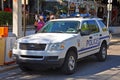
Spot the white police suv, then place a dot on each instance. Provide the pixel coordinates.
(61, 42)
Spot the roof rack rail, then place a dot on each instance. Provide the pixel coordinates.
(82, 16)
(85, 16)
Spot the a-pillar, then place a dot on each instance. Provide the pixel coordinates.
(17, 18)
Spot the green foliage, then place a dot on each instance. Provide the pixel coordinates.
(5, 18)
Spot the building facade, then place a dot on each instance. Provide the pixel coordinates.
(5, 4)
(68, 7)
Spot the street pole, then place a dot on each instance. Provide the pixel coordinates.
(2, 5)
(24, 18)
(17, 18)
(38, 6)
(68, 8)
(108, 17)
(109, 8)
(9, 3)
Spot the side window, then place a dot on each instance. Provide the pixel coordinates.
(93, 26)
(102, 25)
(84, 26)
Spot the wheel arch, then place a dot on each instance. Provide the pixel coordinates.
(73, 49)
(104, 42)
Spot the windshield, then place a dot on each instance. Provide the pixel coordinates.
(60, 27)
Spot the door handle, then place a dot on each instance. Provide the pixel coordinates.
(100, 34)
(90, 37)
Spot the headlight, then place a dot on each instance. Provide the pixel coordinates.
(15, 45)
(56, 46)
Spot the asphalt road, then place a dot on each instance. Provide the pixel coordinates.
(88, 69)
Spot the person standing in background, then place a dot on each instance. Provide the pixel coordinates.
(36, 22)
(40, 23)
(114, 15)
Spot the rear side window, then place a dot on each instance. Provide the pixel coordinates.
(93, 26)
(102, 25)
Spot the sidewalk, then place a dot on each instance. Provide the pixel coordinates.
(115, 39)
(8, 67)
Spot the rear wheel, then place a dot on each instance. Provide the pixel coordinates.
(69, 66)
(102, 54)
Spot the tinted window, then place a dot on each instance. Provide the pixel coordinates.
(102, 25)
(85, 28)
(93, 26)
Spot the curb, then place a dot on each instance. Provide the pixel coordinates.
(8, 68)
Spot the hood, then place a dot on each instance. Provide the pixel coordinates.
(46, 38)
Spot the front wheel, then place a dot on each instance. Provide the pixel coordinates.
(23, 68)
(69, 66)
(102, 54)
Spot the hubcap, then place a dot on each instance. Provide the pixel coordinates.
(104, 52)
(71, 63)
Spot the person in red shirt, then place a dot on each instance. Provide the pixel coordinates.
(114, 14)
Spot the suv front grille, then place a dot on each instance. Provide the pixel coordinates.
(32, 46)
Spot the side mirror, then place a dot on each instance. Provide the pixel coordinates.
(78, 30)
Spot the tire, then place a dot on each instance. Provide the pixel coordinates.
(69, 65)
(23, 68)
(102, 54)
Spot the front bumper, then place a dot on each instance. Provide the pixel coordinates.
(45, 62)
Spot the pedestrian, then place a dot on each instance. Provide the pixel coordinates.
(40, 23)
(47, 18)
(35, 25)
(52, 17)
(36, 22)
